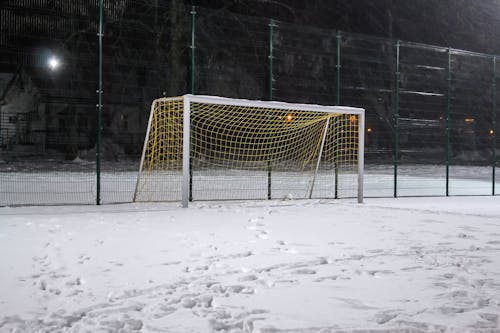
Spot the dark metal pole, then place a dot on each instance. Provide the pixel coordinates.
(494, 124)
(193, 47)
(448, 126)
(99, 110)
(397, 75)
(193, 77)
(272, 24)
(338, 66)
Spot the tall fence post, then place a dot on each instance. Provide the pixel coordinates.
(99, 108)
(338, 67)
(271, 26)
(397, 75)
(193, 47)
(193, 88)
(494, 124)
(448, 125)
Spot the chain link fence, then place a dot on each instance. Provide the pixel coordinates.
(431, 111)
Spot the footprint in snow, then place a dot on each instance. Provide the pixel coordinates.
(377, 273)
(411, 268)
(431, 221)
(246, 278)
(451, 310)
(75, 282)
(469, 228)
(356, 304)
(467, 236)
(239, 289)
(256, 220)
(39, 259)
(240, 255)
(384, 317)
(83, 258)
(376, 251)
(116, 263)
(325, 278)
(122, 325)
(305, 271)
(262, 235)
(492, 317)
(289, 251)
(169, 263)
(164, 310)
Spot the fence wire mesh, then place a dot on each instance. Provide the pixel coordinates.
(431, 112)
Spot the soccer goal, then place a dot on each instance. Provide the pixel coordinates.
(215, 148)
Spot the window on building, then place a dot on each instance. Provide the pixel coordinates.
(124, 121)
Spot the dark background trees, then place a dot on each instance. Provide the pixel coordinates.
(147, 55)
(463, 24)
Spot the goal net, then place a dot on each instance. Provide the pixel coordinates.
(214, 148)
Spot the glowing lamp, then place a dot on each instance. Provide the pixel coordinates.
(53, 63)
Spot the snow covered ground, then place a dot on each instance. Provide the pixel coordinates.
(389, 265)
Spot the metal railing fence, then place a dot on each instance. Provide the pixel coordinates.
(77, 79)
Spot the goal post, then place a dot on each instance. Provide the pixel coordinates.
(215, 148)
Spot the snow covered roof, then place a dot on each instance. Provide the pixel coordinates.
(5, 81)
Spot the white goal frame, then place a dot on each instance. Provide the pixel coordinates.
(188, 99)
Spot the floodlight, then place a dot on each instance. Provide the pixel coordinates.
(53, 63)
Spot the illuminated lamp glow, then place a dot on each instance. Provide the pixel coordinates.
(53, 63)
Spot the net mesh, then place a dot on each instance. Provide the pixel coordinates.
(249, 152)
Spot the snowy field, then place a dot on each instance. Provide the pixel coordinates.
(388, 265)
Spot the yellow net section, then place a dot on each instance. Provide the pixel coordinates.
(161, 166)
(164, 145)
(246, 152)
(251, 138)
